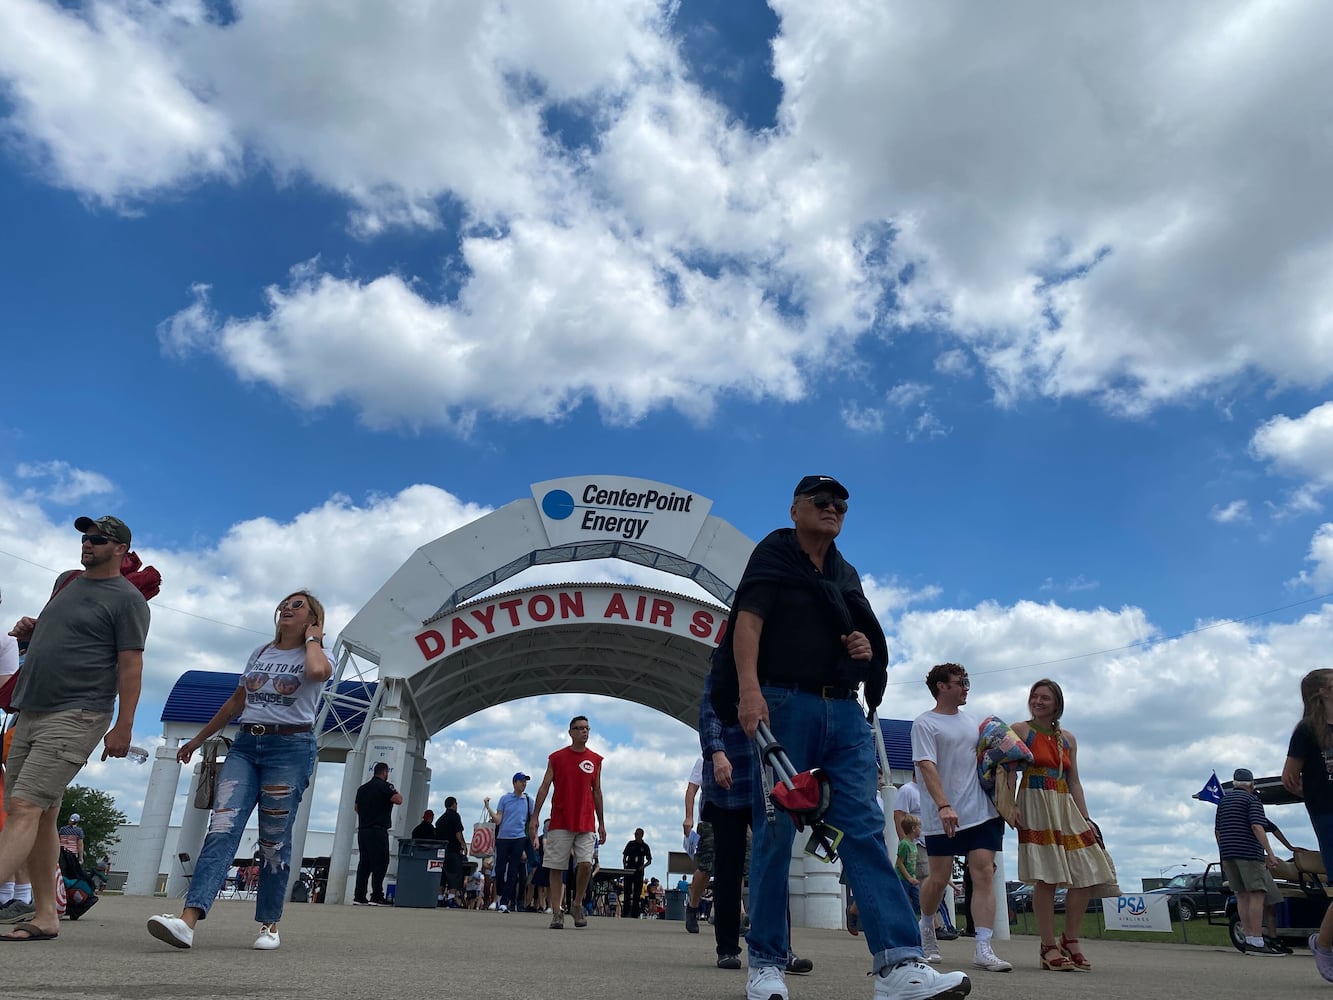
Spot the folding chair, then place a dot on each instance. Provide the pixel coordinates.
(187, 869)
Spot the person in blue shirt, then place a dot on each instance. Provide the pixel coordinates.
(512, 837)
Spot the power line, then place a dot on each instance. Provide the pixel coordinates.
(156, 604)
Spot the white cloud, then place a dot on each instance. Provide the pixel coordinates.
(953, 362)
(1320, 577)
(62, 482)
(1236, 510)
(1070, 586)
(1302, 446)
(104, 102)
(1082, 228)
(906, 394)
(864, 419)
(927, 425)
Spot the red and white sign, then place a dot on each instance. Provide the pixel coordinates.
(537, 607)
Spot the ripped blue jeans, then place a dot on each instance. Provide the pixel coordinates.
(270, 772)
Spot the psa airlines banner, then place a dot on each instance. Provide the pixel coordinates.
(1137, 913)
(537, 607)
(614, 508)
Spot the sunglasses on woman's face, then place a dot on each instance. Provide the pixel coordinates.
(294, 605)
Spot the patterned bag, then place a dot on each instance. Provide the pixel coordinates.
(206, 795)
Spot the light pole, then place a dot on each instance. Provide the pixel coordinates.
(1202, 862)
(1162, 871)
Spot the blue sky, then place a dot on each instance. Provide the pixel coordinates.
(295, 288)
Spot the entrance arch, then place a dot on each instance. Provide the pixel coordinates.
(436, 643)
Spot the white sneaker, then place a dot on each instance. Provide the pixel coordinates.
(503, 908)
(985, 958)
(766, 983)
(268, 939)
(172, 929)
(929, 945)
(913, 979)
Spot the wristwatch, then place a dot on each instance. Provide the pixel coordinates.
(314, 638)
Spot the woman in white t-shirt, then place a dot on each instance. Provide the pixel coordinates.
(268, 766)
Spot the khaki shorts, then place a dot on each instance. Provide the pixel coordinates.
(560, 844)
(49, 749)
(1246, 875)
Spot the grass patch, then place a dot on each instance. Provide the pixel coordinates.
(1197, 931)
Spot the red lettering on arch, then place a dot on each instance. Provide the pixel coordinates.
(431, 644)
(486, 616)
(662, 612)
(701, 625)
(512, 607)
(615, 608)
(547, 606)
(571, 605)
(462, 631)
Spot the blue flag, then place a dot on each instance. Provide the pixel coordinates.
(1211, 791)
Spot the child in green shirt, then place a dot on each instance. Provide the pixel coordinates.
(906, 863)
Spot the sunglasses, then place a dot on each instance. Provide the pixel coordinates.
(97, 539)
(823, 501)
(295, 605)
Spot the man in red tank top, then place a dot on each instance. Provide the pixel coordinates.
(576, 811)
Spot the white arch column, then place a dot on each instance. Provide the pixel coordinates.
(340, 858)
(145, 854)
(194, 824)
(299, 829)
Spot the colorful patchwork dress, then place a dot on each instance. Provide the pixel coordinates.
(1056, 845)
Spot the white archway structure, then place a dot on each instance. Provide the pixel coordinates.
(438, 651)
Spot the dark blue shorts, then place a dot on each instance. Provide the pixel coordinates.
(987, 836)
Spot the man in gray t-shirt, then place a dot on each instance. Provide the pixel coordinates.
(84, 653)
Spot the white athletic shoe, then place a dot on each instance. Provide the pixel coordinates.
(268, 939)
(913, 979)
(929, 945)
(985, 958)
(766, 983)
(172, 929)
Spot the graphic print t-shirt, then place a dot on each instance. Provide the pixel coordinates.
(276, 689)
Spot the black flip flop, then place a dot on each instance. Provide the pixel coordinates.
(34, 933)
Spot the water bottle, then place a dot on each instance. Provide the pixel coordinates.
(137, 754)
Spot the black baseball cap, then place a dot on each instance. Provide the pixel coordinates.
(820, 484)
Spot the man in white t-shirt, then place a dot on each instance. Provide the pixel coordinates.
(957, 817)
(701, 874)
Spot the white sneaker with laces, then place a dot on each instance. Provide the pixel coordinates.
(172, 929)
(913, 979)
(929, 945)
(766, 983)
(268, 938)
(985, 958)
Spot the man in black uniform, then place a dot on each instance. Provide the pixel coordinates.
(803, 639)
(374, 816)
(425, 830)
(637, 856)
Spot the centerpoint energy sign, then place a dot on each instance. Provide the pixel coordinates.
(600, 508)
(537, 607)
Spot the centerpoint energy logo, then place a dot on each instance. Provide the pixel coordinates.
(590, 508)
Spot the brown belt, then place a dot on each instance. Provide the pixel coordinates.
(270, 729)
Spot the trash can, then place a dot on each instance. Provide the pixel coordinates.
(420, 865)
(675, 904)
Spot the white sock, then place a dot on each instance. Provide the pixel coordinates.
(6, 892)
(23, 892)
(983, 936)
(1254, 942)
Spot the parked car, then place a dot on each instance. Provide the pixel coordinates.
(1020, 900)
(1190, 894)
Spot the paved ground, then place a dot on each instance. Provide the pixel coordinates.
(355, 952)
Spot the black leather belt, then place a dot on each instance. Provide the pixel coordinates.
(270, 729)
(829, 692)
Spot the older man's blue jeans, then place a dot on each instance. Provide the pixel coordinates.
(835, 736)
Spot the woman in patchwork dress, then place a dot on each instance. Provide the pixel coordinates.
(1057, 843)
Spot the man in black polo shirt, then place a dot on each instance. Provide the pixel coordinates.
(374, 816)
(637, 856)
(804, 639)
